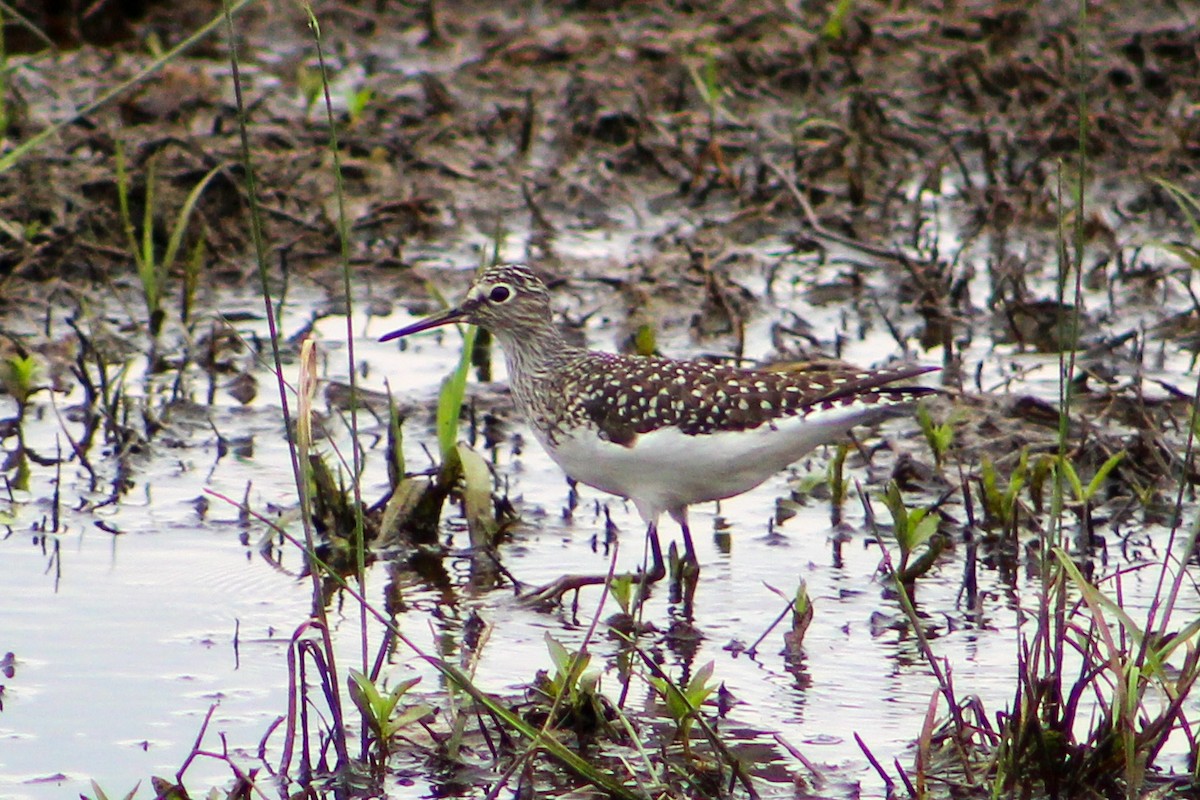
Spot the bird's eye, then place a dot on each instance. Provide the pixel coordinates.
(500, 294)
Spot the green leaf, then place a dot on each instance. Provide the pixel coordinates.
(1068, 470)
(1097, 599)
(801, 602)
(1184, 636)
(1188, 203)
(568, 667)
(706, 80)
(991, 494)
(18, 373)
(559, 655)
(1015, 482)
(698, 688)
(388, 707)
(364, 694)
(1102, 473)
(450, 399)
(147, 270)
(923, 530)
(123, 205)
(621, 589)
(644, 343)
(184, 217)
(477, 496)
(395, 449)
(938, 437)
(377, 708)
(682, 703)
(895, 504)
(677, 704)
(410, 715)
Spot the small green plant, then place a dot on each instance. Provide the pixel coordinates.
(18, 375)
(683, 702)
(572, 691)
(706, 79)
(1136, 697)
(378, 708)
(645, 340)
(837, 482)
(153, 270)
(312, 85)
(357, 101)
(939, 435)
(395, 445)
(569, 680)
(191, 279)
(1084, 495)
(912, 528)
(477, 497)
(835, 26)
(1000, 502)
(1189, 206)
(620, 589)
(802, 615)
(100, 794)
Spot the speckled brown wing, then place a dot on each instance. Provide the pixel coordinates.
(624, 396)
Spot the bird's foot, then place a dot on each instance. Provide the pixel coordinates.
(685, 577)
(643, 578)
(553, 592)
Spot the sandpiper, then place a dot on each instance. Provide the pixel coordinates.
(664, 433)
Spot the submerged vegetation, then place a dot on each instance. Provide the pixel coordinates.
(1056, 500)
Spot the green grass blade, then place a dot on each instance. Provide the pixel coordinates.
(1187, 203)
(450, 400)
(184, 216)
(1067, 469)
(1102, 474)
(1096, 598)
(123, 205)
(147, 269)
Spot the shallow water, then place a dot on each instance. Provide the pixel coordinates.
(133, 620)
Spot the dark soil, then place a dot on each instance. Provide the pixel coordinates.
(590, 115)
(930, 153)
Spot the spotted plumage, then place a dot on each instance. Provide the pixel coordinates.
(625, 396)
(664, 433)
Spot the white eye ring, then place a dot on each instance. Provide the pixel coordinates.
(501, 293)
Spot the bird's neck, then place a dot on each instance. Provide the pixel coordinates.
(534, 356)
